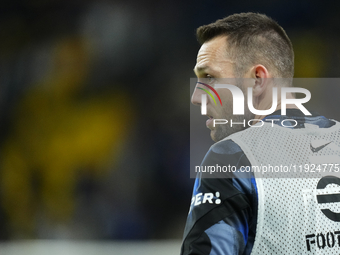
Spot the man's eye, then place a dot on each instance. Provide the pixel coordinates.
(210, 79)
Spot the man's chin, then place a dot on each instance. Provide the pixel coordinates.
(217, 135)
(220, 133)
(212, 136)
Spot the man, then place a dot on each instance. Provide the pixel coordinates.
(244, 212)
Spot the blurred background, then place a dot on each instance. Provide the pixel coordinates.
(94, 116)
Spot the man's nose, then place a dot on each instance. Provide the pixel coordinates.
(196, 97)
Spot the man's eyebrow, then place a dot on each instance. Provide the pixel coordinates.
(200, 69)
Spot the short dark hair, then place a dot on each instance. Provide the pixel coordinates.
(253, 38)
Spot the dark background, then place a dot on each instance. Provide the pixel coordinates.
(94, 116)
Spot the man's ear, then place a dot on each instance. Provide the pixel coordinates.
(261, 75)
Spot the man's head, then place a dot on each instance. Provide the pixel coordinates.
(253, 39)
(245, 45)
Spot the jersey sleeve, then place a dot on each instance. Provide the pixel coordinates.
(222, 216)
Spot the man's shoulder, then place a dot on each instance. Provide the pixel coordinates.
(273, 129)
(226, 146)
